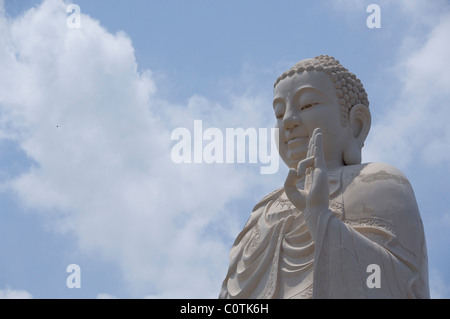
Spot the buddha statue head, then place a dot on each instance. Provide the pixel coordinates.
(320, 92)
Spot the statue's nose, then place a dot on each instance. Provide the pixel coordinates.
(291, 120)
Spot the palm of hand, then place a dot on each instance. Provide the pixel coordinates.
(315, 194)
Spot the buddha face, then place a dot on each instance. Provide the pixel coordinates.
(303, 102)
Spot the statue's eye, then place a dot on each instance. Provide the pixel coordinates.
(279, 107)
(307, 106)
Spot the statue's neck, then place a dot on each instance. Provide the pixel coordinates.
(335, 163)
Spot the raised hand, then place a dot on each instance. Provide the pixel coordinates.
(315, 195)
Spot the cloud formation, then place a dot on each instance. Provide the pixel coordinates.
(415, 125)
(9, 293)
(78, 105)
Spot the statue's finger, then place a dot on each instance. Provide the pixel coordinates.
(318, 150)
(303, 165)
(291, 179)
(310, 143)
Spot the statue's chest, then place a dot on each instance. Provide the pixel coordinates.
(281, 208)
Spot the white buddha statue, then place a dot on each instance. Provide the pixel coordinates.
(335, 220)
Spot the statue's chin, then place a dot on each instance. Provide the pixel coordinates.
(292, 163)
(293, 157)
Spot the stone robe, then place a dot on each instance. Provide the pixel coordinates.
(373, 219)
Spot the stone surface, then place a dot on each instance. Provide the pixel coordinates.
(338, 228)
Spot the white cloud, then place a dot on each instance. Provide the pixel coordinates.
(439, 288)
(418, 12)
(9, 293)
(105, 296)
(76, 103)
(416, 124)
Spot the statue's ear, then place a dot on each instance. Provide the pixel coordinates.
(360, 121)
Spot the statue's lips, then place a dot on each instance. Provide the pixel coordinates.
(297, 141)
(297, 147)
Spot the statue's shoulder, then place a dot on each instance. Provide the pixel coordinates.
(257, 211)
(273, 195)
(381, 168)
(371, 174)
(377, 188)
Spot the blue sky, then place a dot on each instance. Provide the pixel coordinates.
(86, 117)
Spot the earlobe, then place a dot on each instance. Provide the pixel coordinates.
(352, 153)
